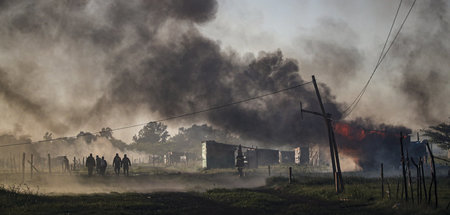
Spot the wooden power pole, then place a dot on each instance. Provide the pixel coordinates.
(337, 174)
(403, 167)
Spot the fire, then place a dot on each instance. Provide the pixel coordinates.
(353, 133)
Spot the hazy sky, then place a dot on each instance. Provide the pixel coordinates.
(255, 25)
(60, 62)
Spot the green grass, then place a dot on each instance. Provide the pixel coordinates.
(309, 194)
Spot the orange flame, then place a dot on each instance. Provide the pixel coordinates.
(353, 133)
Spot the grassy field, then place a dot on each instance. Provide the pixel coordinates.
(311, 193)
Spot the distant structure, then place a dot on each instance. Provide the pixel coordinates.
(251, 158)
(302, 155)
(220, 155)
(287, 157)
(267, 157)
(418, 149)
(314, 155)
(217, 155)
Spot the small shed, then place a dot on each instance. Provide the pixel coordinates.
(217, 155)
(302, 155)
(267, 157)
(286, 156)
(251, 158)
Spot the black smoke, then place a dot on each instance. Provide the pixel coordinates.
(424, 52)
(129, 54)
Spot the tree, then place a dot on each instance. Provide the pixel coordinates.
(87, 136)
(153, 132)
(106, 133)
(189, 139)
(47, 136)
(439, 134)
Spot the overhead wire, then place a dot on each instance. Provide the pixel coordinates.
(212, 108)
(381, 53)
(355, 102)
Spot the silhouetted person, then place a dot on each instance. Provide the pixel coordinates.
(117, 162)
(90, 164)
(240, 161)
(66, 167)
(103, 166)
(98, 164)
(126, 163)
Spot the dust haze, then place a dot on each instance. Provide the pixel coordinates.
(67, 66)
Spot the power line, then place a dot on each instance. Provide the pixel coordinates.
(381, 54)
(355, 102)
(213, 108)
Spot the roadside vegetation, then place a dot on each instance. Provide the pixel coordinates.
(309, 194)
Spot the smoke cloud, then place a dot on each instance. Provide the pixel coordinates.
(83, 64)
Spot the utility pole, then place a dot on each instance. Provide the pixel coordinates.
(338, 181)
(403, 167)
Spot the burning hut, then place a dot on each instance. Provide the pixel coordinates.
(217, 155)
(286, 156)
(267, 156)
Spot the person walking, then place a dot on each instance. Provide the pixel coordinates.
(66, 167)
(90, 164)
(98, 164)
(126, 163)
(117, 162)
(103, 166)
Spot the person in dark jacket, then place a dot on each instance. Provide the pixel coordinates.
(240, 162)
(117, 162)
(103, 166)
(98, 164)
(126, 163)
(66, 167)
(90, 164)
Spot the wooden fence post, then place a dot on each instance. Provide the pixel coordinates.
(74, 163)
(409, 177)
(405, 186)
(423, 180)
(290, 175)
(396, 194)
(433, 177)
(382, 182)
(31, 166)
(49, 164)
(23, 167)
(268, 167)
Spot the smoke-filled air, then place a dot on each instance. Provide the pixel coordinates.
(195, 95)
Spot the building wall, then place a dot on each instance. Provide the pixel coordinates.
(217, 155)
(286, 157)
(252, 158)
(267, 157)
(302, 155)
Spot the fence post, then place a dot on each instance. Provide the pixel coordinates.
(23, 167)
(290, 175)
(268, 167)
(49, 164)
(382, 182)
(31, 167)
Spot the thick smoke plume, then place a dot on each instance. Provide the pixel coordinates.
(74, 64)
(424, 63)
(151, 54)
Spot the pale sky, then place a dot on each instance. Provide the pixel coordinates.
(338, 41)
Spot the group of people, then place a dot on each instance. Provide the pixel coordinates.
(100, 164)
